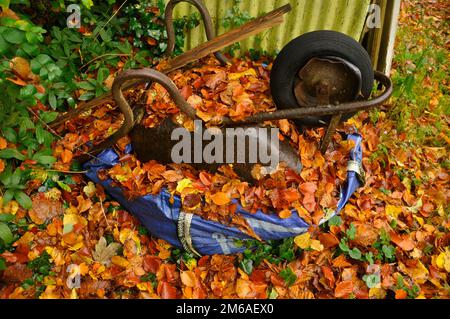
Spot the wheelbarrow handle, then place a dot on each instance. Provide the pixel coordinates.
(320, 110)
(207, 21)
(147, 75)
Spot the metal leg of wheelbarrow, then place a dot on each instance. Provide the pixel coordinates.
(335, 119)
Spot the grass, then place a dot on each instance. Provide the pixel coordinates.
(420, 75)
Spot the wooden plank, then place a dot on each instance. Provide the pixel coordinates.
(255, 26)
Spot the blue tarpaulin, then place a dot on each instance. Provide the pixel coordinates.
(167, 221)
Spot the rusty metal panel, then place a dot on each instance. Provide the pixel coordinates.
(347, 16)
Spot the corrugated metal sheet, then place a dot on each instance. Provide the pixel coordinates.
(347, 16)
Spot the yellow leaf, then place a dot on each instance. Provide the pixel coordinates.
(142, 286)
(443, 260)
(303, 241)
(419, 220)
(419, 274)
(393, 211)
(186, 182)
(50, 293)
(191, 263)
(441, 210)
(56, 255)
(237, 76)
(124, 235)
(49, 281)
(70, 220)
(89, 189)
(73, 294)
(316, 245)
(120, 261)
(377, 293)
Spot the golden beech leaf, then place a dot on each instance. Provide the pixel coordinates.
(303, 241)
(120, 261)
(393, 211)
(316, 245)
(220, 198)
(443, 260)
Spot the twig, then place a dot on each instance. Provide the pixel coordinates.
(114, 14)
(103, 211)
(66, 172)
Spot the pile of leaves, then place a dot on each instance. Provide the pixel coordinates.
(238, 90)
(68, 239)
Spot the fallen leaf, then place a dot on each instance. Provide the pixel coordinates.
(120, 261)
(44, 209)
(104, 252)
(343, 289)
(66, 156)
(220, 198)
(303, 241)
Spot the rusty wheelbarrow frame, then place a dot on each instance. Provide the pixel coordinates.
(131, 78)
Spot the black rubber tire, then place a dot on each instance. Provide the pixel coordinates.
(299, 51)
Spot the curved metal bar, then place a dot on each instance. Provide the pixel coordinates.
(207, 21)
(148, 75)
(298, 113)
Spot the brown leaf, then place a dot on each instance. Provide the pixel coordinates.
(21, 68)
(328, 240)
(404, 242)
(44, 209)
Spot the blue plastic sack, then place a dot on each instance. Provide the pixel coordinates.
(203, 237)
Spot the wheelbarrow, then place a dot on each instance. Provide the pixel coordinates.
(318, 79)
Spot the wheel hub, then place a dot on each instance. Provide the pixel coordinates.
(329, 80)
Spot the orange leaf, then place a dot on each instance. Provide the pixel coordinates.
(205, 178)
(17, 81)
(343, 289)
(3, 143)
(66, 156)
(188, 278)
(220, 198)
(166, 290)
(285, 213)
(341, 262)
(308, 188)
(328, 240)
(404, 242)
(291, 195)
(2, 165)
(401, 294)
(328, 273)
